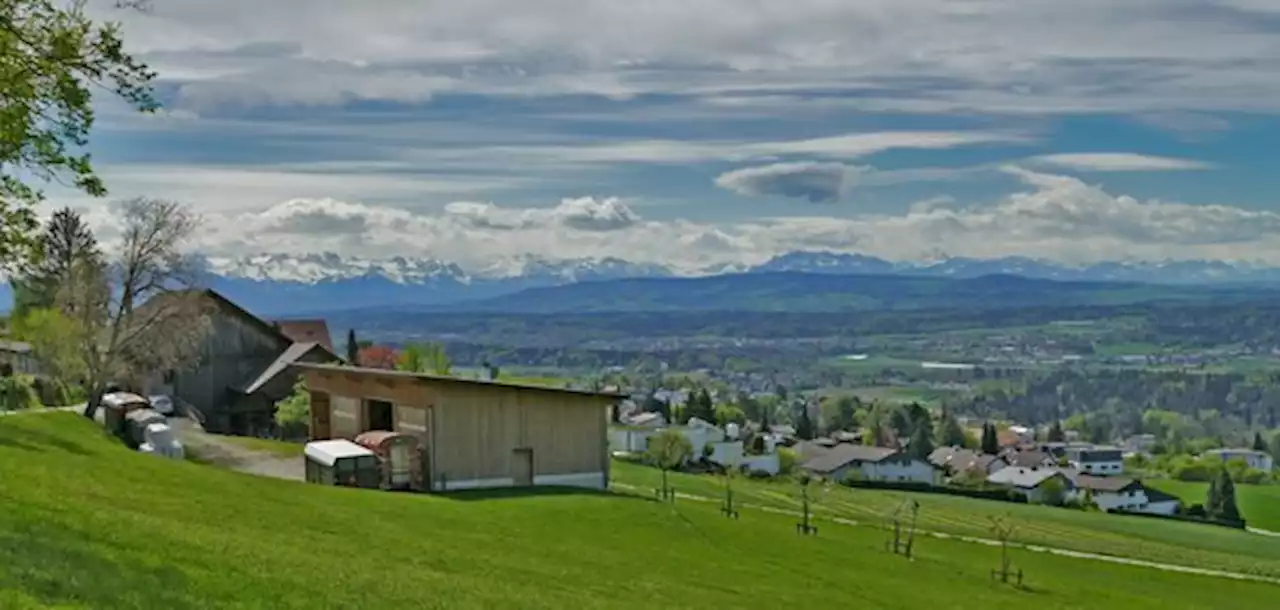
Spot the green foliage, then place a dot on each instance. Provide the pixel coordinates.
(669, 449)
(921, 444)
(1056, 433)
(353, 348)
(425, 358)
(1259, 443)
(17, 394)
(787, 459)
(950, 433)
(1221, 500)
(1053, 491)
(55, 341)
(729, 414)
(293, 414)
(65, 243)
(990, 443)
(805, 430)
(52, 55)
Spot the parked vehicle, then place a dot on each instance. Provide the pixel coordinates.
(162, 404)
(136, 423)
(116, 406)
(342, 462)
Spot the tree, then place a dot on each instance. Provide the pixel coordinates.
(1259, 443)
(424, 358)
(846, 413)
(990, 439)
(55, 340)
(949, 433)
(804, 424)
(353, 348)
(142, 312)
(293, 414)
(921, 444)
(1221, 502)
(65, 242)
(1056, 434)
(52, 55)
(668, 450)
(378, 357)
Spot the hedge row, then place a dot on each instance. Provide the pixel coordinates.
(1188, 518)
(1000, 495)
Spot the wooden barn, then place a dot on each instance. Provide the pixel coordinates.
(240, 372)
(475, 434)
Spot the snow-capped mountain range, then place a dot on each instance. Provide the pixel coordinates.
(278, 283)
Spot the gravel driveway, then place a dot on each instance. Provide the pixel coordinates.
(216, 450)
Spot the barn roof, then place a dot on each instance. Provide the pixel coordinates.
(334, 368)
(290, 356)
(307, 331)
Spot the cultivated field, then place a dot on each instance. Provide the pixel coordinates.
(88, 524)
(1260, 504)
(1188, 544)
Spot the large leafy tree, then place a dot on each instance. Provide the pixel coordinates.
(53, 56)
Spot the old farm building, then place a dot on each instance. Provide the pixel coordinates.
(240, 371)
(476, 434)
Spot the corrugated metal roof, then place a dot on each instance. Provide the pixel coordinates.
(307, 331)
(357, 370)
(843, 454)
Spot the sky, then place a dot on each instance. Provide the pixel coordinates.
(707, 132)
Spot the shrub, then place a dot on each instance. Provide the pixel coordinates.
(786, 460)
(293, 414)
(17, 394)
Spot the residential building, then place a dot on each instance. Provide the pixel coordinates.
(1116, 493)
(870, 463)
(957, 460)
(1255, 459)
(1140, 443)
(1028, 458)
(1096, 460)
(1033, 483)
(475, 433)
(238, 373)
(19, 357)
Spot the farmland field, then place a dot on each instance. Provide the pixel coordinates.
(89, 524)
(1260, 504)
(1188, 544)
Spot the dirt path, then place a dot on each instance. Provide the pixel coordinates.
(1166, 567)
(220, 452)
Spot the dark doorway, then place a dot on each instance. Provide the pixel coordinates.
(380, 415)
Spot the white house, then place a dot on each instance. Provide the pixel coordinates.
(1096, 460)
(1255, 459)
(632, 435)
(1033, 483)
(871, 464)
(1120, 493)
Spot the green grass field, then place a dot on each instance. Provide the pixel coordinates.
(1189, 544)
(1260, 504)
(89, 524)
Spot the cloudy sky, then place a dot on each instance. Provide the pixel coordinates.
(709, 131)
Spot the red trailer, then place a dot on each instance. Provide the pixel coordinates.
(401, 458)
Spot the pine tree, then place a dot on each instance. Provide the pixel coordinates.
(1056, 434)
(949, 433)
(804, 425)
(65, 242)
(921, 443)
(353, 348)
(1221, 503)
(1259, 443)
(990, 439)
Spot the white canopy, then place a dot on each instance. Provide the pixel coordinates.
(329, 452)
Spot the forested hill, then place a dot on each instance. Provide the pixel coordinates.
(807, 292)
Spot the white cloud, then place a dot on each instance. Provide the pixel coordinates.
(817, 182)
(1119, 162)
(1055, 217)
(926, 55)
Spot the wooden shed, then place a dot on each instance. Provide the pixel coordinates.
(474, 434)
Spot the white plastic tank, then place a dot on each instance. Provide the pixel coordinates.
(159, 440)
(731, 431)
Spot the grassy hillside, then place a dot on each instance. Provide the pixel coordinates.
(805, 292)
(1260, 504)
(1188, 544)
(87, 524)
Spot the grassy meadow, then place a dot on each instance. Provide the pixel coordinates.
(1260, 504)
(1174, 542)
(89, 524)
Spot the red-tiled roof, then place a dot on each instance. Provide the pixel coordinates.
(307, 331)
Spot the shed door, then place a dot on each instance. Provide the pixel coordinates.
(321, 411)
(522, 467)
(401, 465)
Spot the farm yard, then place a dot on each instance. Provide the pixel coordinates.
(1179, 543)
(90, 524)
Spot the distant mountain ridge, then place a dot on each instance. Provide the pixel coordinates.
(278, 284)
